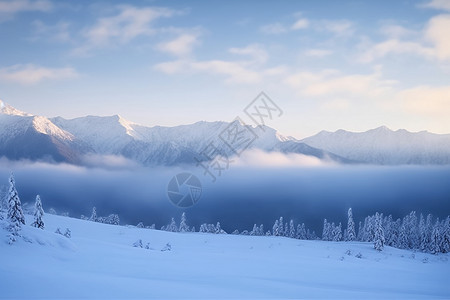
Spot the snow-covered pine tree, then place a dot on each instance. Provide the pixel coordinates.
(172, 226)
(140, 225)
(261, 229)
(93, 217)
(423, 234)
(254, 230)
(402, 241)
(379, 240)
(15, 213)
(337, 232)
(218, 229)
(275, 229)
(280, 227)
(351, 234)
(435, 245)
(446, 235)
(68, 233)
(326, 230)
(291, 229)
(360, 232)
(38, 213)
(183, 225)
(286, 230)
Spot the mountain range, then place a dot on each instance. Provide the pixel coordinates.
(27, 136)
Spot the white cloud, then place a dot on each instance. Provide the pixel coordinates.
(318, 52)
(339, 27)
(256, 52)
(235, 72)
(426, 100)
(259, 158)
(16, 6)
(394, 46)
(434, 42)
(438, 4)
(180, 46)
(129, 23)
(31, 74)
(58, 32)
(396, 31)
(300, 24)
(274, 28)
(438, 32)
(332, 83)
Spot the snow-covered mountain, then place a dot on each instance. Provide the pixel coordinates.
(384, 146)
(26, 136)
(23, 135)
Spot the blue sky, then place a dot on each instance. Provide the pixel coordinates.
(354, 65)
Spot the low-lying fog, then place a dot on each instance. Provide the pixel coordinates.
(303, 189)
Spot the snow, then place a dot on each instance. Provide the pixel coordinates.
(384, 146)
(99, 261)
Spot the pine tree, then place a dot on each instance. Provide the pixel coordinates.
(183, 225)
(38, 213)
(291, 229)
(435, 245)
(336, 232)
(326, 230)
(280, 227)
(379, 240)
(172, 226)
(351, 234)
(254, 230)
(15, 213)
(93, 217)
(275, 229)
(68, 233)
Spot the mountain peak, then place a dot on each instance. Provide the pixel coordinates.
(7, 109)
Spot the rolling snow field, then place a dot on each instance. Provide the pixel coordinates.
(99, 261)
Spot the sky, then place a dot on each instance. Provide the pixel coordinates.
(328, 65)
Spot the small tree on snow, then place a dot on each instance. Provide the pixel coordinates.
(38, 213)
(378, 242)
(351, 233)
(93, 217)
(275, 228)
(15, 213)
(68, 233)
(291, 229)
(183, 225)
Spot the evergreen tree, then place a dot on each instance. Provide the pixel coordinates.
(280, 227)
(15, 213)
(172, 226)
(379, 240)
(38, 213)
(93, 217)
(68, 233)
(351, 234)
(326, 230)
(254, 230)
(336, 232)
(435, 245)
(183, 225)
(291, 229)
(276, 228)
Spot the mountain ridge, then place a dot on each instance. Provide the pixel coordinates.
(26, 136)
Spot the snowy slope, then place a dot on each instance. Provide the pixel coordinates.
(384, 146)
(100, 262)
